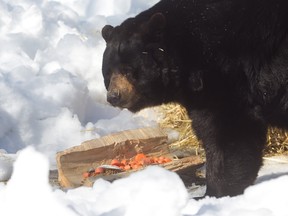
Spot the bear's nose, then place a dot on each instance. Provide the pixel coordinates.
(113, 97)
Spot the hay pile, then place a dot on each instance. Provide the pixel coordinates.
(175, 117)
(277, 142)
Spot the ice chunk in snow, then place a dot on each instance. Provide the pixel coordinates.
(6, 165)
(28, 191)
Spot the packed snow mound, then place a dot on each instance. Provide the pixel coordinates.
(52, 90)
(153, 191)
(28, 191)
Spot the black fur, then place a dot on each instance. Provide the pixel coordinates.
(225, 61)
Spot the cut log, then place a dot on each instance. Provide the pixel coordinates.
(73, 162)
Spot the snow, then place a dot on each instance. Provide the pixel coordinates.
(53, 97)
(52, 89)
(153, 191)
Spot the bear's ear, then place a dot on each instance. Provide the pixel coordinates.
(156, 22)
(106, 32)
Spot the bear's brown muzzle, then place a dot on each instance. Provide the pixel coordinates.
(114, 98)
(121, 92)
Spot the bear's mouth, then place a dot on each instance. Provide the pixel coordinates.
(122, 93)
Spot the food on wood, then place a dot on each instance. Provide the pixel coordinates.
(138, 162)
(75, 161)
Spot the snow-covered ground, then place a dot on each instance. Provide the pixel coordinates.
(52, 97)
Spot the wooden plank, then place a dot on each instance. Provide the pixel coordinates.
(73, 162)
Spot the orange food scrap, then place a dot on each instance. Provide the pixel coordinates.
(99, 170)
(86, 175)
(115, 162)
(139, 157)
(127, 167)
(124, 162)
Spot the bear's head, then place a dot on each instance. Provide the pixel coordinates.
(134, 62)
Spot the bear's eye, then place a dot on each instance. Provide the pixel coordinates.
(156, 52)
(129, 49)
(122, 48)
(130, 72)
(125, 49)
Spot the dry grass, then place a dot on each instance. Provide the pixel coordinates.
(176, 118)
(277, 142)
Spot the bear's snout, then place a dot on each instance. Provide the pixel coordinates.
(114, 97)
(121, 92)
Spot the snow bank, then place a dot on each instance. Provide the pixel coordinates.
(266, 199)
(52, 91)
(153, 191)
(28, 191)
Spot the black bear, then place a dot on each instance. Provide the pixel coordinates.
(225, 61)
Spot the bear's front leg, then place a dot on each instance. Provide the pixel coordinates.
(233, 145)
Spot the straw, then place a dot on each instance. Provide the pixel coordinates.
(175, 117)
